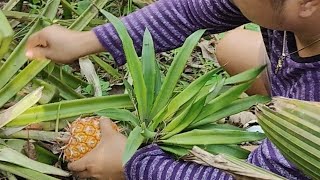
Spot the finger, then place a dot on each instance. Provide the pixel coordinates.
(79, 165)
(107, 126)
(38, 53)
(83, 174)
(36, 40)
(35, 46)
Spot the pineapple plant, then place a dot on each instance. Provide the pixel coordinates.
(177, 121)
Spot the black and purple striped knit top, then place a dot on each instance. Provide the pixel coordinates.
(170, 22)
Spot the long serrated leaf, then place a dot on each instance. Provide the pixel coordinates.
(16, 144)
(24, 172)
(295, 139)
(132, 95)
(134, 141)
(235, 107)
(290, 117)
(292, 154)
(188, 93)
(134, 64)
(24, 104)
(10, 5)
(213, 127)
(6, 35)
(178, 125)
(120, 115)
(299, 110)
(9, 175)
(158, 83)
(223, 100)
(45, 156)
(175, 71)
(300, 156)
(177, 150)
(65, 91)
(175, 122)
(68, 9)
(65, 109)
(232, 150)
(63, 22)
(20, 80)
(216, 89)
(206, 137)
(245, 76)
(84, 19)
(65, 77)
(149, 68)
(47, 136)
(294, 131)
(12, 156)
(49, 91)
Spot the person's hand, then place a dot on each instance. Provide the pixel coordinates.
(104, 162)
(62, 45)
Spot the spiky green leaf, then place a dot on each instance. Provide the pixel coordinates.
(134, 141)
(134, 63)
(120, 115)
(206, 137)
(175, 71)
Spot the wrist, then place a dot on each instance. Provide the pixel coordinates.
(89, 43)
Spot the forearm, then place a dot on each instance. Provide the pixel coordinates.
(89, 43)
(170, 22)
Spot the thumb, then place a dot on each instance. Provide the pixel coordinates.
(38, 53)
(79, 165)
(36, 46)
(107, 127)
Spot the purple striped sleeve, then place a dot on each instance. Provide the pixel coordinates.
(153, 164)
(269, 157)
(170, 22)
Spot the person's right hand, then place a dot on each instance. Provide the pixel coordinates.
(62, 45)
(104, 162)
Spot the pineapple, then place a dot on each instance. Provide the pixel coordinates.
(84, 136)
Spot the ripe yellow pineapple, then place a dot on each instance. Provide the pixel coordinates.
(84, 136)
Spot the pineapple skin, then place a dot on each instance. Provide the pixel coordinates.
(85, 134)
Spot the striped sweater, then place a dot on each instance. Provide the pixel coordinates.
(170, 22)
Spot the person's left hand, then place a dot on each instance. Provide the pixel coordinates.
(105, 160)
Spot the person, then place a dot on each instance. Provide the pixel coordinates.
(289, 42)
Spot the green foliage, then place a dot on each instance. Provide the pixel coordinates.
(294, 127)
(252, 27)
(89, 91)
(166, 117)
(82, 6)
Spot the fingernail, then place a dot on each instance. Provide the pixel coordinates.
(29, 54)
